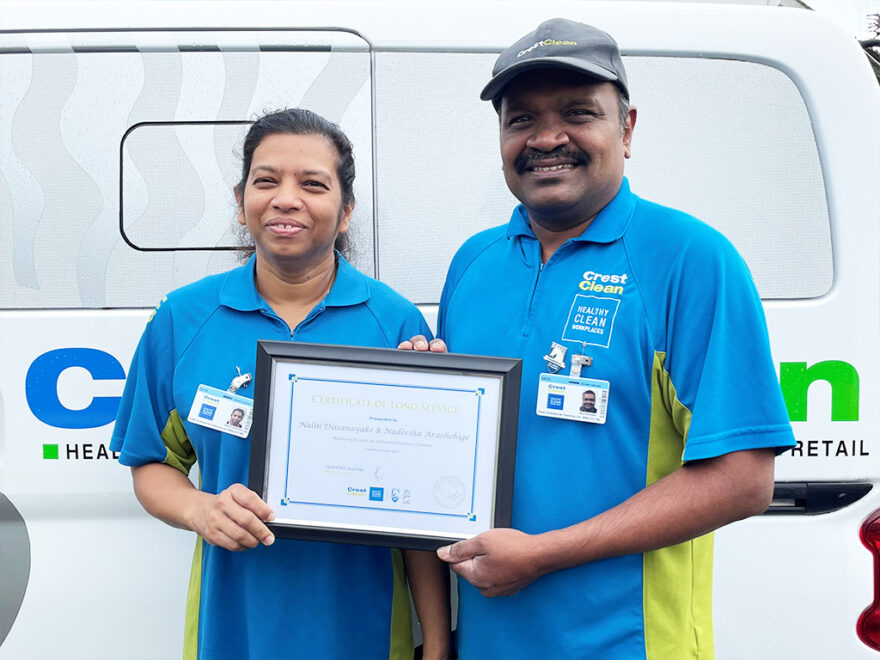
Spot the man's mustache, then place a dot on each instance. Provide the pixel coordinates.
(529, 157)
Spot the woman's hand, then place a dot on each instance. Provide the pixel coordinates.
(233, 519)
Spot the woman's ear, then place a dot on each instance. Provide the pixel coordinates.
(345, 218)
(239, 201)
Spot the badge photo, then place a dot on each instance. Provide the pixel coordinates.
(222, 411)
(577, 399)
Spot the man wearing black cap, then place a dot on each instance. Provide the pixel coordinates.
(653, 311)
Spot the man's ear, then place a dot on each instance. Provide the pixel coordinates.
(628, 132)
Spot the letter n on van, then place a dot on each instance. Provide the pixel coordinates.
(795, 379)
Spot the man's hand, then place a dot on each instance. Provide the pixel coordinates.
(499, 562)
(421, 343)
(233, 519)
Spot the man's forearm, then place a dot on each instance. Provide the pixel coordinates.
(690, 502)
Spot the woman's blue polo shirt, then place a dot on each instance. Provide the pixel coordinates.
(294, 599)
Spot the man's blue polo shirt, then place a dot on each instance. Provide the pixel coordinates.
(667, 310)
(294, 599)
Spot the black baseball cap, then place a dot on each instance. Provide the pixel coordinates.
(559, 43)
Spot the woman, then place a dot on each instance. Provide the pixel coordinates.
(284, 599)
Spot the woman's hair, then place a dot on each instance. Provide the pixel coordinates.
(299, 121)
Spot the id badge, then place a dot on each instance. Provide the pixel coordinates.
(222, 411)
(578, 399)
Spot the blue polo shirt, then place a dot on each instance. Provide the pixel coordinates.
(667, 310)
(294, 599)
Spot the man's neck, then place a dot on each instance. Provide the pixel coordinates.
(551, 240)
(554, 229)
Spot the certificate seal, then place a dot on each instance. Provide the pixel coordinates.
(449, 492)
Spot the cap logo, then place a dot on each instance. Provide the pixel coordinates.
(546, 42)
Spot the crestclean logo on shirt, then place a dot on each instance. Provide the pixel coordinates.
(602, 283)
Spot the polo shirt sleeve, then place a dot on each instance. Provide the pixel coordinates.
(725, 395)
(414, 324)
(148, 427)
(397, 318)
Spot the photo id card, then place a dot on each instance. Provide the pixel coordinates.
(222, 411)
(578, 399)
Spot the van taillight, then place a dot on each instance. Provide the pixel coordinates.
(868, 627)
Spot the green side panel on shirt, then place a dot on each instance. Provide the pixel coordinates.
(181, 455)
(179, 450)
(193, 599)
(401, 647)
(678, 579)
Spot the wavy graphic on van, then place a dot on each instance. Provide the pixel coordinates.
(66, 175)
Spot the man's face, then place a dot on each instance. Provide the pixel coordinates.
(589, 400)
(562, 145)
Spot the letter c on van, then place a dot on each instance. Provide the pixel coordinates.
(41, 387)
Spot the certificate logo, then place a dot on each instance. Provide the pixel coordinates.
(377, 494)
(207, 412)
(555, 401)
(449, 492)
(395, 494)
(406, 496)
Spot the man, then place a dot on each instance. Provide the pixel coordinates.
(588, 402)
(236, 417)
(609, 555)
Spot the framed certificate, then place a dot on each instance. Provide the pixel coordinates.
(383, 447)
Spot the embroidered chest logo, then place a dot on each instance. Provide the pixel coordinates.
(601, 283)
(591, 318)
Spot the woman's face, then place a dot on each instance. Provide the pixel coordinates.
(292, 200)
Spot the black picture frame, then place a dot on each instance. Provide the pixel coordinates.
(274, 357)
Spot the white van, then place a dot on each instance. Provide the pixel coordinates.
(119, 124)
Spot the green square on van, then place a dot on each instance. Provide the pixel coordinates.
(50, 451)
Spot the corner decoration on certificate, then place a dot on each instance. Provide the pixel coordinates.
(380, 446)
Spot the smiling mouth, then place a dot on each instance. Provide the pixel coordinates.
(548, 162)
(551, 168)
(284, 227)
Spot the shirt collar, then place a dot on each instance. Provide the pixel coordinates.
(350, 286)
(608, 226)
(240, 291)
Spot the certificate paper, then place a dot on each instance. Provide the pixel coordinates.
(386, 450)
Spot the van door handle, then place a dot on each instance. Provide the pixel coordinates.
(813, 497)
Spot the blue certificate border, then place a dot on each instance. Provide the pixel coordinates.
(286, 500)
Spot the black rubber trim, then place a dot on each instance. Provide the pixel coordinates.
(15, 564)
(814, 497)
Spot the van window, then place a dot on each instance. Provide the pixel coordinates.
(728, 141)
(119, 152)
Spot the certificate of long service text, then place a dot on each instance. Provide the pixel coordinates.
(383, 449)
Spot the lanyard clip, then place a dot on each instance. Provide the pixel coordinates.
(579, 361)
(241, 380)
